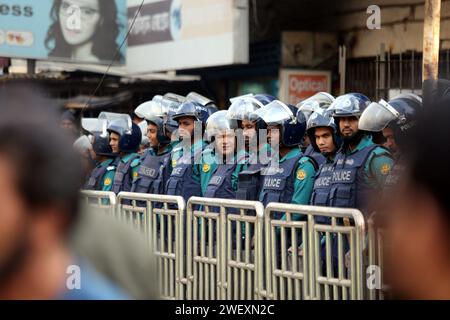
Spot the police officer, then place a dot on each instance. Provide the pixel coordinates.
(154, 169)
(395, 119)
(102, 175)
(323, 134)
(250, 180)
(321, 100)
(361, 166)
(290, 180)
(184, 179)
(124, 139)
(228, 160)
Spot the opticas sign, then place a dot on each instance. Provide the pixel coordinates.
(298, 85)
(184, 34)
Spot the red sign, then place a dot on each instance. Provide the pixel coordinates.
(297, 85)
(303, 86)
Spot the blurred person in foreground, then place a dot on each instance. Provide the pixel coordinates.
(39, 206)
(417, 215)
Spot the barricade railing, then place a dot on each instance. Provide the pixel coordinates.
(314, 252)
(223, 248)
(233, 249)
(100, 200)
(158, 218)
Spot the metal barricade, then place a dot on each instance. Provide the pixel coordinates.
(100, 201)
(307, 260)
(160, 219)
(224, 247)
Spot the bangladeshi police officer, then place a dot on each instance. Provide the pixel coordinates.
(154, 169)
(321, 100)
(124, 139)
(102, 176)
(186, 157)
(395, 119)
(229, 161)
(250, 180)
(291, 178)
(323, 134)
(361, 166)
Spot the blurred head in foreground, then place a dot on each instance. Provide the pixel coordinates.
(40, 181)
(418, 214)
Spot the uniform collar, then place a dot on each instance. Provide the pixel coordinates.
(106, 162)
(291, 154)
(366, 140)
(127, 157)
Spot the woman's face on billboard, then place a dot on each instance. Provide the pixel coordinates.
(79, 20)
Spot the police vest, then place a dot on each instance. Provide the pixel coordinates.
(250, 183)
(394, 175)
(123, 179)
(320, 159)
(181, 181)
(96, 177)
(322, 185)
(348, 186)
(278, 183)
(149, 178)
(220, 185)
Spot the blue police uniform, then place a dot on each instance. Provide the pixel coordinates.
(95, 181)
(185, 177)
(359, 175)
(126, 172)
(152, 174)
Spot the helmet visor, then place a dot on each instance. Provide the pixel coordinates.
(116, 122)
(274, 113)
(241, 109)
(91, 125)
(377, 116)
(149, 109)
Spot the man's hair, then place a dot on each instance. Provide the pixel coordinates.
(46, 169)
(427, 153)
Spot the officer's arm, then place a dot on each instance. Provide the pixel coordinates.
(107, 182)
(303, 185)
(380, 167)
(135, 165)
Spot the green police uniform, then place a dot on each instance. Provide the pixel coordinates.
(304, 179)
(378, 164)
(108, 177)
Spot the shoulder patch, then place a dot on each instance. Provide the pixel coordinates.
(301, 174)
(135, 162)
(107, 182)
(135, 174)
(206, 168)
(385, 169)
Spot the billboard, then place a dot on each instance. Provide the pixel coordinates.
(183, 34)
(298, 85)
(81, 31)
